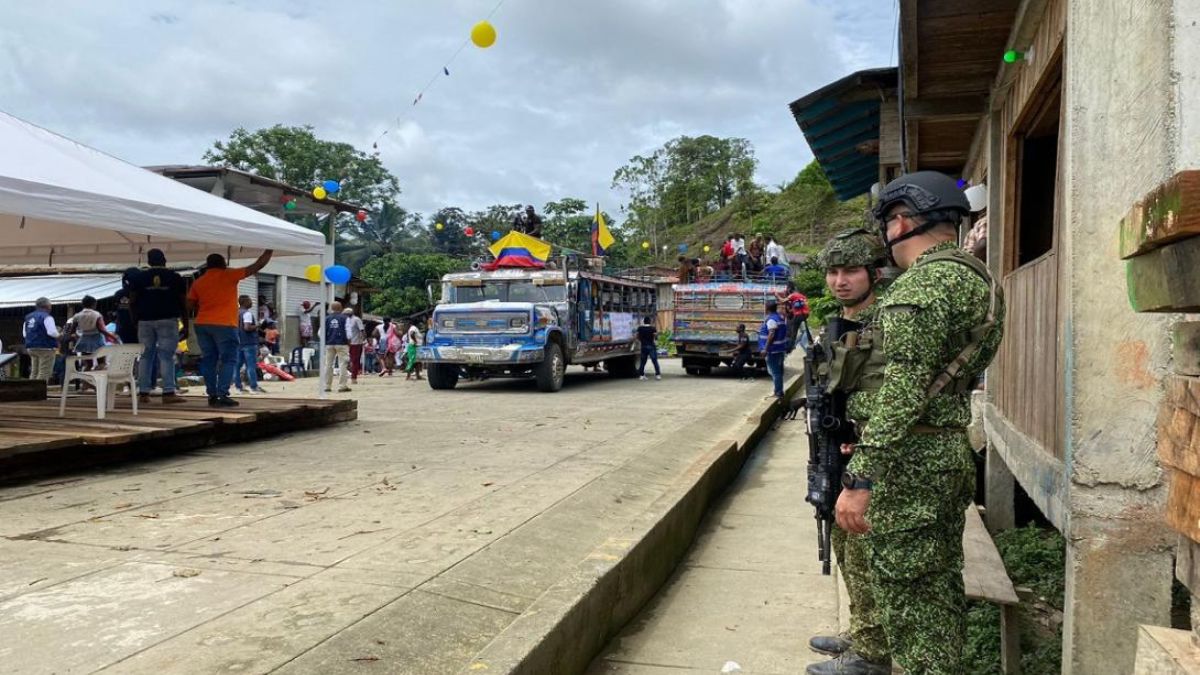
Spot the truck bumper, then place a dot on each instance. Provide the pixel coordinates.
(499, 356)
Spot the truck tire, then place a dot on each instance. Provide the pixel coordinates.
(442, 376)
(622, 367)
(699, 371)
(549, 373)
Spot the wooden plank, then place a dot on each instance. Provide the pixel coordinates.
(1178, 438)
(101, 434)
(1165, 279)
(1167, 213)
(22, 390)
(1185, 349)
(1183, 505)
(983, 568)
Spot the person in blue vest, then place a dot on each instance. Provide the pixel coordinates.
(337, 346)
(41, 340)
(773, 344)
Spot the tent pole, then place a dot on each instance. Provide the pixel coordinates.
(321, 333)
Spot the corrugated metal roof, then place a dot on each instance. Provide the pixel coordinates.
(839, 120)
(59, 288)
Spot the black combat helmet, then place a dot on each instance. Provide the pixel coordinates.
(931, 194)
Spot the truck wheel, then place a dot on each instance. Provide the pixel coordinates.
(550, 371)
(625, 366)
(442, 376)
(700, 371)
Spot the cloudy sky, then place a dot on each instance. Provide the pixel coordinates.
(570, 91)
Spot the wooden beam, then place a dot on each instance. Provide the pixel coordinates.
(911, 145)
(1167, 213)
(953, 107)
(1185, 341)
(908, 49)
(1183, 505)
(1165, 279)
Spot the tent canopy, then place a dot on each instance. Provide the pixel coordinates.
(59, 288)
(63, 202)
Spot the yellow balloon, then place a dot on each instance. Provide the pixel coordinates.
(645, 244)
(707, 248)
(439, 226)
(483, 34)
(319, 192)
(313, 273)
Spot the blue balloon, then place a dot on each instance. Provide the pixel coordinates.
(331, 186)
(495, 235)
(683, 248)
(337, 274)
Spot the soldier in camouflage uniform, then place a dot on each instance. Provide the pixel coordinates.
(911, 477)
(853, 262)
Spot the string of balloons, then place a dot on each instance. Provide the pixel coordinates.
(482, 35)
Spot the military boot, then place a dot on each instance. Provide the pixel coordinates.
(849, 663)
(832, 645)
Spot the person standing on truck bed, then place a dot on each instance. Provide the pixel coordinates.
(647, 336)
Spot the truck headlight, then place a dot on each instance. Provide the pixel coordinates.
(517, 322)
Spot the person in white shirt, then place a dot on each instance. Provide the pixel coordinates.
(740, 258)
(775, 250)
(357, 334)
(41, 340)
(412, 339)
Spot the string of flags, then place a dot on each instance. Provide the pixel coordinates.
(482, 35)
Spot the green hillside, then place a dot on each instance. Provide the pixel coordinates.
(801, 215)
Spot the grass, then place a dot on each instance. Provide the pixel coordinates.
(1035, 558)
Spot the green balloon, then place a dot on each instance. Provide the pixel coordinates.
(290, 205)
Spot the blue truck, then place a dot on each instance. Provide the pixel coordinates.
(533, 323)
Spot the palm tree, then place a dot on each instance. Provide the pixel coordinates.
(387, 230)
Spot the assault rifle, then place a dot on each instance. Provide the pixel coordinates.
(828, 429)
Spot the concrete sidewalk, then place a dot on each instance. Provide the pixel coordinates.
(750, 591)
(441, 531)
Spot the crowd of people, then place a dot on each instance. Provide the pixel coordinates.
(381, 351)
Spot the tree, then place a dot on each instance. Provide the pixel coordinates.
(568, 225)
(451, 239)
(403, 278)
(685, 180)
(390, 229)
(297, 157)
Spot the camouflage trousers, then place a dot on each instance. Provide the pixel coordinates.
(866, 631)
(917, 516)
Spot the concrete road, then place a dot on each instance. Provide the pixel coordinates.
(750, 593)
(404, 541)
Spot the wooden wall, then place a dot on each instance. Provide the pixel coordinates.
(1026, 377)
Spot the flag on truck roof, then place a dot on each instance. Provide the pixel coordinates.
(517, 249)
(602, 239)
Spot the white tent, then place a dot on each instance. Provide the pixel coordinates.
(63, 202)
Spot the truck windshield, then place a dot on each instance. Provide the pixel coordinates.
(510, 291)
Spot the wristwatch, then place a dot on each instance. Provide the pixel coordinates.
(852, 482)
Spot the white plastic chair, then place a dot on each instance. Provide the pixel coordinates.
(119, 368)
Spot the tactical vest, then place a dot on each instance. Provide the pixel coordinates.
(859, 357)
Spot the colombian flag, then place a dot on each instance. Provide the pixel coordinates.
(516, 249)
(602, 239)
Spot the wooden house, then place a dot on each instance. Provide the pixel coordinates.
(1082, 119)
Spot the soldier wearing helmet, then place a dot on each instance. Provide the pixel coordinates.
(853, 262)
(912, 476)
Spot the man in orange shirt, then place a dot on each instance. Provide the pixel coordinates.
(214, 298)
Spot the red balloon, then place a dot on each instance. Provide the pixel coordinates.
(470, 232)
(360, 216)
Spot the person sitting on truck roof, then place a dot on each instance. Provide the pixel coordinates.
(686, 270)
(529, 223)
(776, 271)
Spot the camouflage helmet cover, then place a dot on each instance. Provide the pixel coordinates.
(858, 247)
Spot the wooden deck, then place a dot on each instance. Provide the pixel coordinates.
(34, 440)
